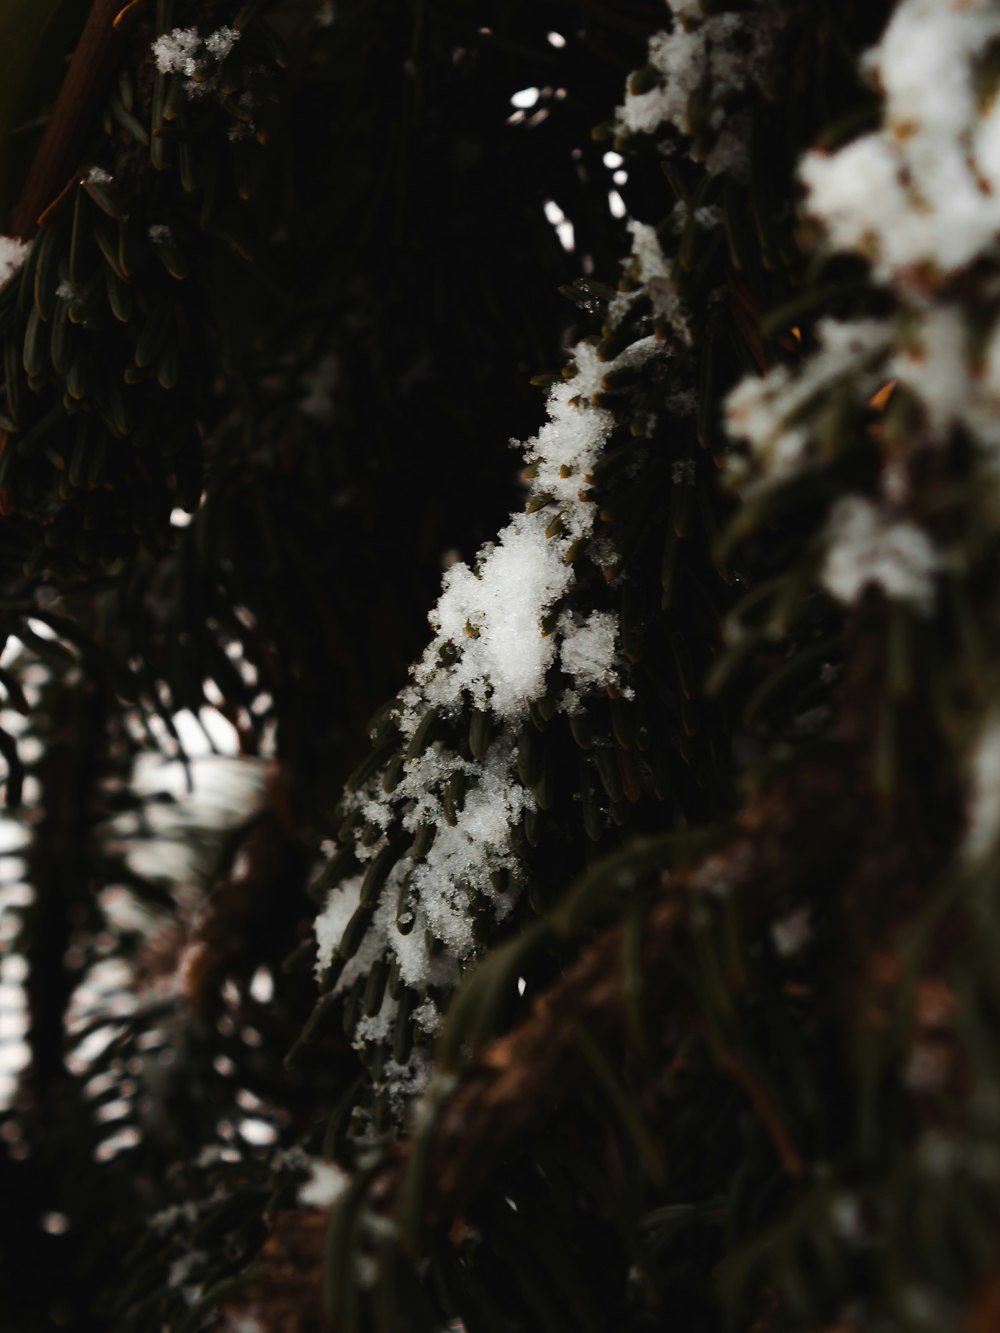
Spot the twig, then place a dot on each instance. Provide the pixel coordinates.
(80, 97)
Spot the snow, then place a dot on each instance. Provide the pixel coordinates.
(935, 366)
(525, 99)
(589, 650)
(458, 864)
(560, 224)
(168, 1218)
(181, 50)
(376, 1027)
(175, 52)
(489, 619)
(221, 42)
(504, 666)
(920, 196)
(719, 56)
(938, 363)
(792, 932)
(463, 856)
(242, 1323)
(654, 271)
(427, 1016)
(771, 413)
(983, 826)
(866, 547)
(332, 921)
(325, 1185)
(182, 1268)
(505, 630)
(682, 58)
(318, 388)
(13, 253)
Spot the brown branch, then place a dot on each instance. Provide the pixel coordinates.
(72, 120)
(767, 1112)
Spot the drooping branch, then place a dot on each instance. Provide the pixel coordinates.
(816, 833)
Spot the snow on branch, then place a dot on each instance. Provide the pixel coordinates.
(13, 253)
(865, 547)
(185, 51)
(920, 196)
(919, 199)
(490, 647)
(716, 56)
(775, 414)
(505, 632)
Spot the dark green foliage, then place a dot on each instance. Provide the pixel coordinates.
(304, 309)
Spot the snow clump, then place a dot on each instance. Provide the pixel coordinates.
(13, 253)
(920, 197)
(865, 547)
(183, 50)
(771, 413)
(722, 54)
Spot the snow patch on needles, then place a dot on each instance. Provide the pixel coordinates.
(498, 608)
(499, 631)
(176, 52)
(183, 50)
(651, 268)
(775, 415)
(940, 367)
(589, 649)
(866, 547)
(325, 1185)
(219, 43)
(983, 826)
(490, 645)
(13, 253)
(441, 892)
(920, 196)
(720, 55)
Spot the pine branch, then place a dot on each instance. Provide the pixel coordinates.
(816, 832)
(71, 124)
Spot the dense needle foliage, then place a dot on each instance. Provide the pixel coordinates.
(627, 962)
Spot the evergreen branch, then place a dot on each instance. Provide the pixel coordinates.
(520, 1080)
(97, 54)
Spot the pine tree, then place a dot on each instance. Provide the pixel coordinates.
(625, 962)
